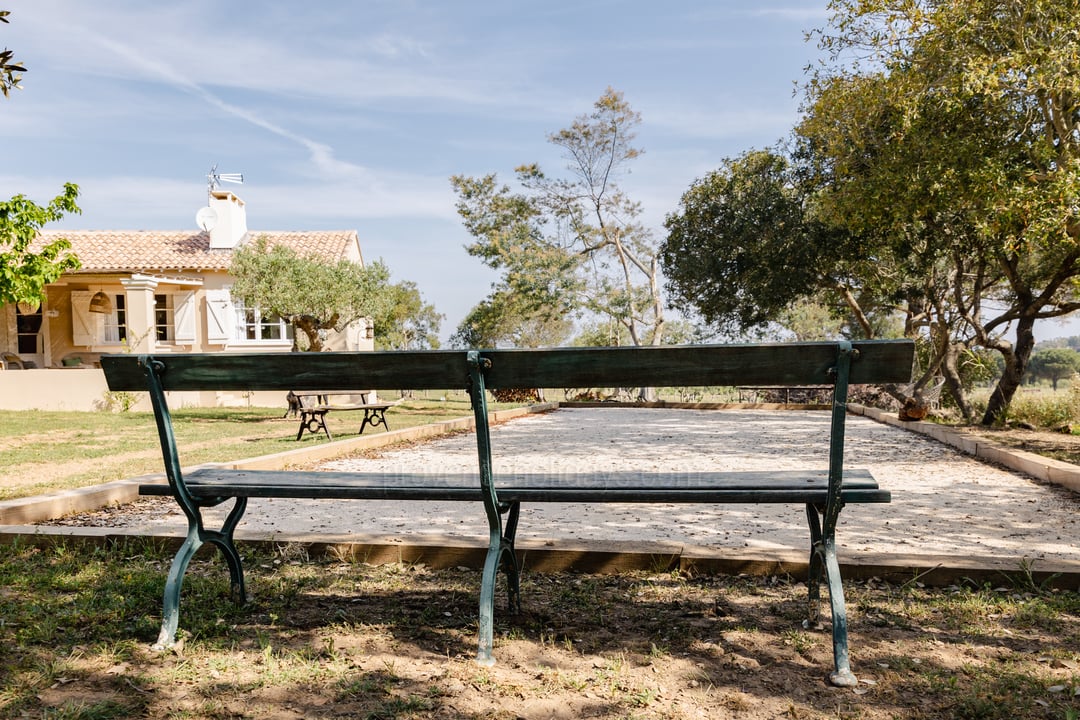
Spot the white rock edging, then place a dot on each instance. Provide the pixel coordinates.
(1040, 467)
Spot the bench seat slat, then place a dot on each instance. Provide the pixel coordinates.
(684, 487)
(365, 406)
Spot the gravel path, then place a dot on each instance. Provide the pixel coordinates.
(944, 502)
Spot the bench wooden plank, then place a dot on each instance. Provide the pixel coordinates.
(666, 366)
(784, 486)
(416, 370)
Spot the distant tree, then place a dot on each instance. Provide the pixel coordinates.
(741, 250)
(24, 273)
(9, 67)
(407, 322)
(1054, 364)
(504, 319)
(311, 293)
(573, 243)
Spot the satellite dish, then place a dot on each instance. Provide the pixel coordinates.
(206, 218)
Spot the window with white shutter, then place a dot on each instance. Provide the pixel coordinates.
(184, 318)
(219, 317)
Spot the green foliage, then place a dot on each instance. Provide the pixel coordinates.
(313, 294)
(24, 269)
(1054, 364)
(1046, 409)
(936, 172)
(743, 252)
(407, 322)
(951, 132)
(505, 318)
(735, 248)
(573, 243)
(9, 67)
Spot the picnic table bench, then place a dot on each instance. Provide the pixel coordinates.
(823, 490)
(313, 416)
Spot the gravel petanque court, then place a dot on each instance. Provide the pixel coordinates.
(945, 503)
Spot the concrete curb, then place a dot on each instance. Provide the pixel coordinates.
(438, 551)
(1039, 467)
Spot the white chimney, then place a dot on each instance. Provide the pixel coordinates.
(230, 221)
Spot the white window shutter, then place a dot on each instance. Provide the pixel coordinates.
(84, 327)
(184, 318)
(219, 317)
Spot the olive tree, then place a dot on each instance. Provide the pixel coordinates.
(984, 117)
(311, 293)
(505, 319)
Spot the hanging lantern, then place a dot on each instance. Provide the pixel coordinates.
(101, 303)
(28, 308)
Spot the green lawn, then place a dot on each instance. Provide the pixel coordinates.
(45, 451)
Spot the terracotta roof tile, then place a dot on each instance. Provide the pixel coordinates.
(146, 250)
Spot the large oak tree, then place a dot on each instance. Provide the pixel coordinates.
(940, 152)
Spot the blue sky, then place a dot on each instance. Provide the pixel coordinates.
(353, 115)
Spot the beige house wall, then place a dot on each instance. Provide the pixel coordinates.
(56, 382)
(85, 389)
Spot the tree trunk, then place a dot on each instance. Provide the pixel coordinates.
(310, 328)
(1016, 360)
(950, 369)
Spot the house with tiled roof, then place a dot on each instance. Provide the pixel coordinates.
(162, 292)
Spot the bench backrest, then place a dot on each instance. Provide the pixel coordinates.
(873, 361)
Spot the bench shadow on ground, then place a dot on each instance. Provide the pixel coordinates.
(581, 641)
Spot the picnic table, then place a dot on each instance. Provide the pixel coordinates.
(313, 406)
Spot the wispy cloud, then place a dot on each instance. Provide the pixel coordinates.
(321, 155)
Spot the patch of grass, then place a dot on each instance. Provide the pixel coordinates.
(43, 451)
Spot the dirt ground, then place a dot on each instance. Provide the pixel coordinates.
(399, 642)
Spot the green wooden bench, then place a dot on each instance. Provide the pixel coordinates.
(822, 490)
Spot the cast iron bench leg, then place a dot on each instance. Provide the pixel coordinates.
(196, 537)
(823, 559)
(500, 553)
(313, 421)
(374, 417)
(170, 616)
(513, 568)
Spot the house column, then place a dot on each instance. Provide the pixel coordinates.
(139, 298)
